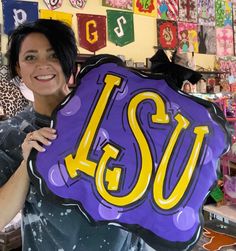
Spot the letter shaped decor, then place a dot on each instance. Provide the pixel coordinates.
(133, 151)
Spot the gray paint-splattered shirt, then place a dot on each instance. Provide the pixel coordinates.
(47, 226)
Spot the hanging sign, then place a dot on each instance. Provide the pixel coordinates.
(168, 9)
(188, 11)
(207, 39)
(92, 31)
(53, 4)
(206, 12)
(130, 152)
(56, 15)
(224, 41)
(120, 27)
(145, 7)
(79, 4)
(19, 12)
(167, 34)
(188, 37)
(124, 4)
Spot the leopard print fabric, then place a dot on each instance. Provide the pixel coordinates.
(11, 99)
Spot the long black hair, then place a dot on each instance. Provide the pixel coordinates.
(60, 36)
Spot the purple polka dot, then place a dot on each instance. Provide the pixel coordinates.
(72, 107)
(101, 138)
(184, 219)
(209, 156)
(122, 95)
(57, 175)
(109, 212)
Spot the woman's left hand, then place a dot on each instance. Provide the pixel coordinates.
(36, 139)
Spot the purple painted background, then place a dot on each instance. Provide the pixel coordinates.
(178, 225)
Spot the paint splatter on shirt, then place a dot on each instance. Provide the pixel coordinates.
(48, 226)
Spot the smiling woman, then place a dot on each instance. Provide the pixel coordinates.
(41, 71)
(43, 54)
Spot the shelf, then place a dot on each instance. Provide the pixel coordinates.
(214, 72)
(227, 212)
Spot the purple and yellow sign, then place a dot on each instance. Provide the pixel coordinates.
(133, 151)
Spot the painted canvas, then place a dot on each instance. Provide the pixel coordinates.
(131, 153)
(223, 10)
(188, 11)
(188, 37)
(206, 12)
(206, 39)
(168, 9)
(224, 42)
(119, 4)
(145, 7)
(167, 34)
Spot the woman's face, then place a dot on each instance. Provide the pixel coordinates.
(40, 68)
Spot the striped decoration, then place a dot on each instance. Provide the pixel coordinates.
(168, 9)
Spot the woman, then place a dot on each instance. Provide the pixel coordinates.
(43, 55)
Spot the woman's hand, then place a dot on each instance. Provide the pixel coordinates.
(36, 139)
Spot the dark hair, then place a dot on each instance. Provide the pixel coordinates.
(58, 33)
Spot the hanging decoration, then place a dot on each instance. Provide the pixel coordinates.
(188, 11)
(92, 31)
(168, 9)
(167, 34)
(207, 39)
(56, 15)
(234, 13)
(18, 12)
(145, 7)
(228, 64)
(188, 37)
(206, 12)
(136, 156)
(120, 4)
(224, 42)
(120, 27)
(53, 4)
(223, 13)
(79, 4)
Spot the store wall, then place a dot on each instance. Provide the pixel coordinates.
(144, 31)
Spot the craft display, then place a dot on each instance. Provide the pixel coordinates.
(130, 152)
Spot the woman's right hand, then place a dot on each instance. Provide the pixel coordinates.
(36, 139)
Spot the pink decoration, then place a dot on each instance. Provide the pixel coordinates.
(121, 4)
(78, 3)
(53, 4)
(188, 37)
(224, 42)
